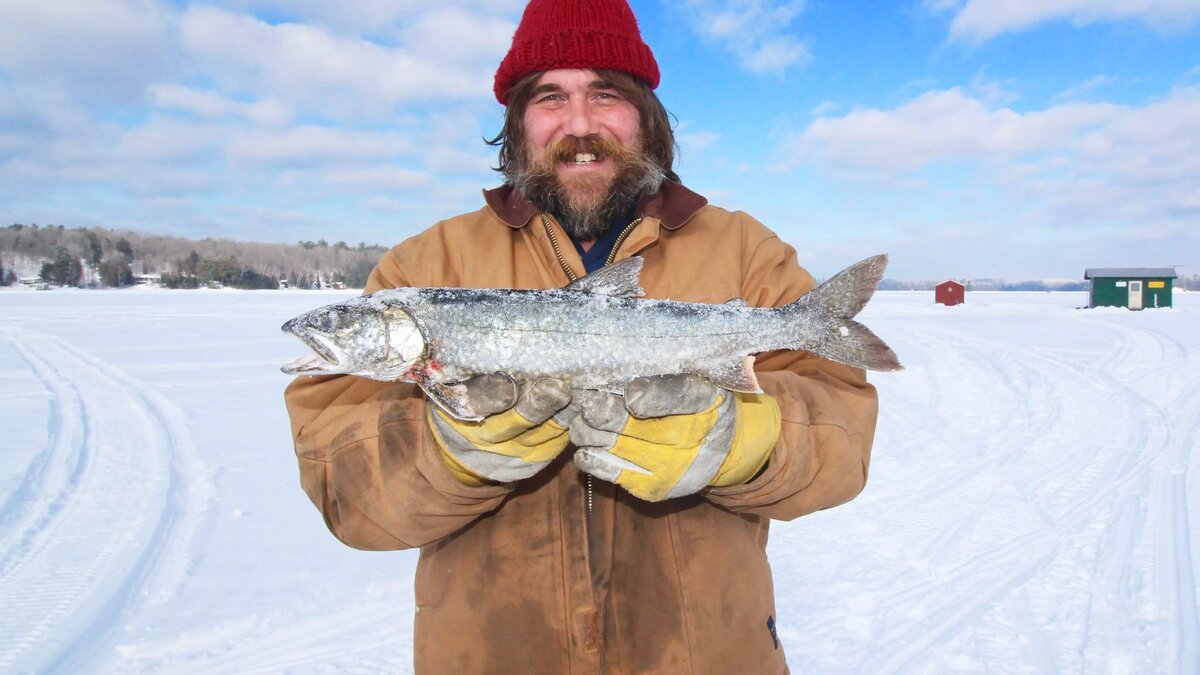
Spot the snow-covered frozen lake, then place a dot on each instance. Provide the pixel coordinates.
(1033, 504)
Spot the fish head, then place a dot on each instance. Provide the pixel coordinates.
(357, 337)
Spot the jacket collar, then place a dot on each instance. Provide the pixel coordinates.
(673, 205)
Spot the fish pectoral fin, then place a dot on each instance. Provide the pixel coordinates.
(619, 279)
(452, 398)
(735, 376)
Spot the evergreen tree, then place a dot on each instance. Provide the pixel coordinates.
(124, 248)
(65, 270)
(96, 249)
(191, 264)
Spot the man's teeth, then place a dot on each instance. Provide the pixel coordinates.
(584, 158)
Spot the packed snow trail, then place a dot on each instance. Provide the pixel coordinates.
(1028, 504)
(103, 519)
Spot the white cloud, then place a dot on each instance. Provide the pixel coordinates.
(385, 205)
(456, 35)
(1093, 162)
(774, 55)
(32, 116)
(211, 105)
(314, 68)
(313, 144)
(991, 91)
(366, 16)
(981, 20)
(756, 31)
(453, 160)
(111, 107)
(936, 126)
(169, 141)
(356, 17)
(1084, 89)
(824, 108)
(106, 49)
(371, 179)
(697, 140)
(939, 6)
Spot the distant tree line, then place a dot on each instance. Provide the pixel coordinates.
(1190, 282)
(112, 258)
(986, 285)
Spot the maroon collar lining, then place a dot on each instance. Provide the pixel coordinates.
(673, 205)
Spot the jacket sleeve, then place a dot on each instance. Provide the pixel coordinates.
(828, 410)
(368, 462)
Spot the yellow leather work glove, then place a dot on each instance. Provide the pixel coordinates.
(673, 435)
(524, 427)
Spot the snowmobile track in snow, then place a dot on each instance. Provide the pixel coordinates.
(105, 513)
(1070, 501)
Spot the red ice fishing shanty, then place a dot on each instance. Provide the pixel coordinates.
(949, 293)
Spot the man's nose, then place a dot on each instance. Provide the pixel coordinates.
(581, 121)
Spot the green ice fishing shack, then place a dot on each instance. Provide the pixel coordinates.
(1132, 287)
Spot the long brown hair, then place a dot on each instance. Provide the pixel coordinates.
(658, 138)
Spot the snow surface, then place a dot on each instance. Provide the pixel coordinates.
(1029, 507)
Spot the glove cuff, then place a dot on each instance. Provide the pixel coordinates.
(456, 468)
(755, 435)
(460, 472)
(505, 462)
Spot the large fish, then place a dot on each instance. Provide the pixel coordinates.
(596, 333)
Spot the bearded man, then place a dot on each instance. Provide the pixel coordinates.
(577, 532)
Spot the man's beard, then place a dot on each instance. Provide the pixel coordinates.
(591, 203)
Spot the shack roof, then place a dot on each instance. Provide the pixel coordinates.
(1129, 272)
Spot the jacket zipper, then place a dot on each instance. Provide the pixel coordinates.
(574, 277)
(612, 255)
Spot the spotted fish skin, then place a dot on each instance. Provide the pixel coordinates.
(597, 333)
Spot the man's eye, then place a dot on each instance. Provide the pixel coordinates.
(607, 97)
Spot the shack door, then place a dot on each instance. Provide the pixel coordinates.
(1135, 295)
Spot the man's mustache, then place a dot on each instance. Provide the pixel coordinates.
(567, 148)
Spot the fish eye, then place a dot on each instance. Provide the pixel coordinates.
(328, 321)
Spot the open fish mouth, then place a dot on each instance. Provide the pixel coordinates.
(324, 358)
(307, 365)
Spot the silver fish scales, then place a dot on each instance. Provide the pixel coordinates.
(597, 333)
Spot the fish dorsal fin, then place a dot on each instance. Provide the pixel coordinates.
(619, 279)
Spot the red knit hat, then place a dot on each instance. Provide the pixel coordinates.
(586, 34)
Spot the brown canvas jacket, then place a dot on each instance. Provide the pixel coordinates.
(525, 577)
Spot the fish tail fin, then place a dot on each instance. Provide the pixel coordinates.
(831, 308)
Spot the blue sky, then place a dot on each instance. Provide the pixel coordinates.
(967, 138)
